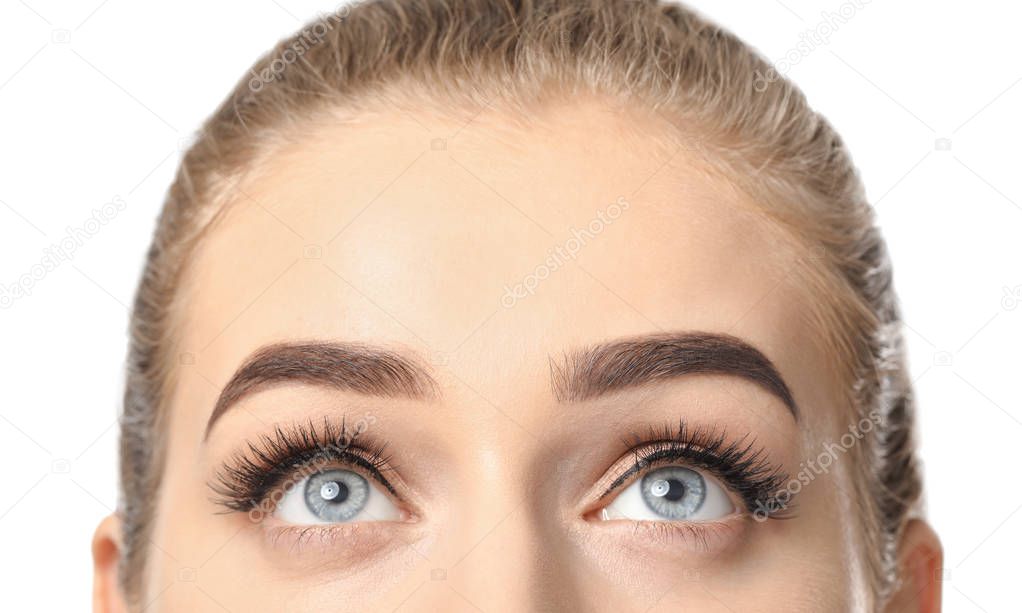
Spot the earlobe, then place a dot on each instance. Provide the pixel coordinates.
(920, 564)
(106, 554)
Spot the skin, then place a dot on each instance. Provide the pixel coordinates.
(498, 476)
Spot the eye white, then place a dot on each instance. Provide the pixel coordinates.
(671, 493)
(335, 496)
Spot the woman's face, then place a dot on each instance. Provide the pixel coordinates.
(522, 317)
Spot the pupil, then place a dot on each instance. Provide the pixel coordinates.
(675, 490)
(334, 491)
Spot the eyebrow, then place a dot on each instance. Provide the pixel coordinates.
(580, 375)
(344, 366)
(601, 369)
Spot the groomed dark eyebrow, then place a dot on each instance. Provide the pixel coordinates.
(354, 367)
(592, 371)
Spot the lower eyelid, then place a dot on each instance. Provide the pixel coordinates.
(706, 537)
(316, 536)
(328, 547)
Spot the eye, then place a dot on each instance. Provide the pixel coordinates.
(671, 493)
(335, 496)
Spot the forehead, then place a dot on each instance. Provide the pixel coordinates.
(488, 245)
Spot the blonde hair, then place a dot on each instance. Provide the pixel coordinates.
(655, 55)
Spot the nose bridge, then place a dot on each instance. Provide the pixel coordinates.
(516, 560)
(504, 545)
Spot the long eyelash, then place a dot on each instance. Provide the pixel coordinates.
(283, 458)
(742, 466)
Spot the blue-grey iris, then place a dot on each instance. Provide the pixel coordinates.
(673, 492)
(336, 495)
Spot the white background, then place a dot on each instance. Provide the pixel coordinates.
(97, 100)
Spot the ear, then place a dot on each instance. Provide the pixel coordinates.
(920, 564)
(107, 596)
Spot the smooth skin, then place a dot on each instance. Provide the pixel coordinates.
(404, 232)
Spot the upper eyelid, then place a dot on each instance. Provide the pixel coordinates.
(346, 460)
(353, 460)
(254, 472)
(635, 467)
(685, 452)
